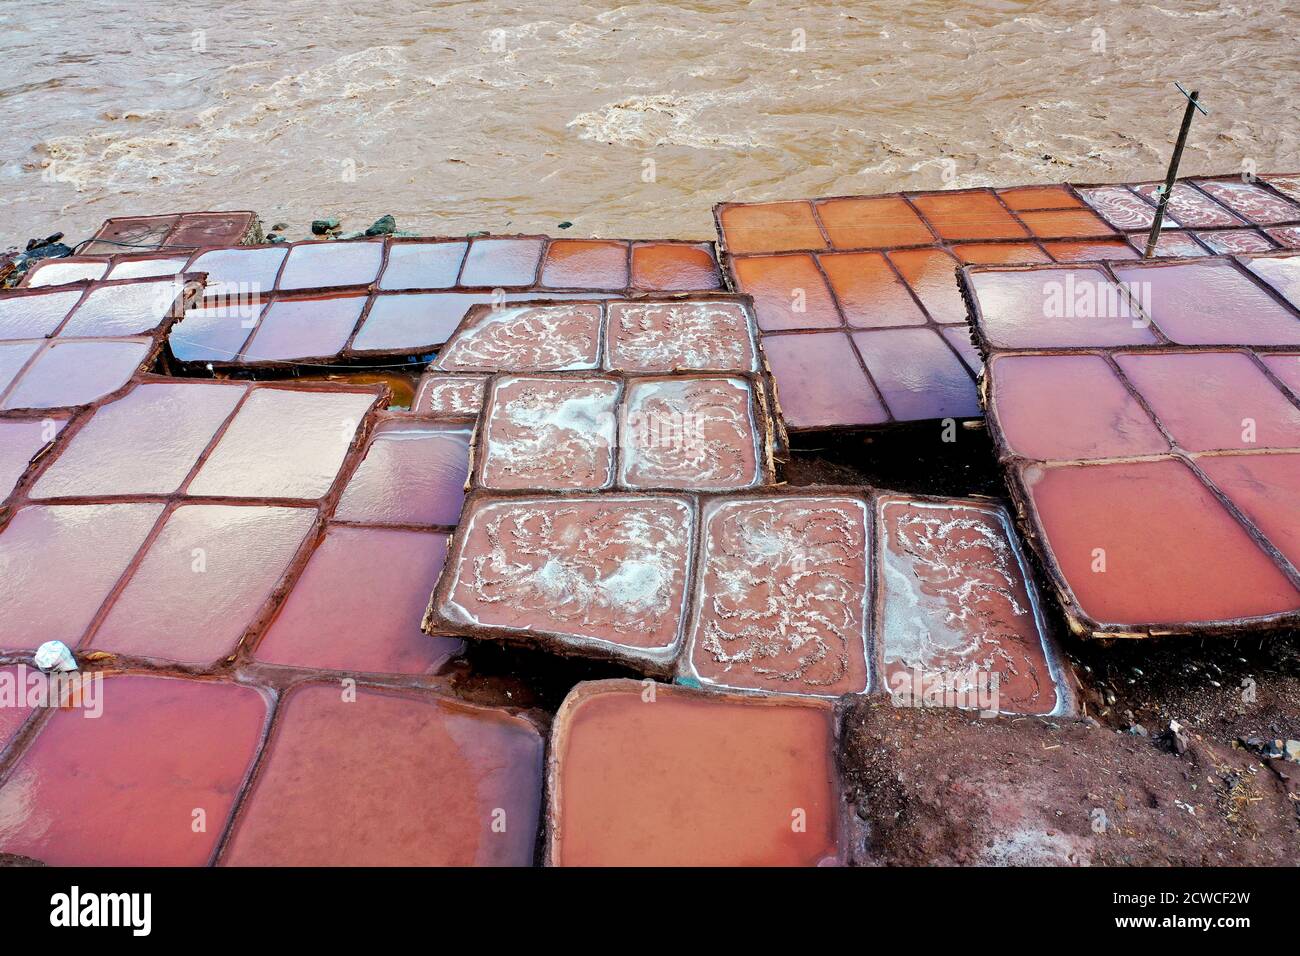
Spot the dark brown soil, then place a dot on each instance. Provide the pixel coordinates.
(911, 458)
(504, 675)
(1222, 688)
(946, 788)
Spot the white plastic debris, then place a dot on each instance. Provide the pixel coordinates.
(55, 656)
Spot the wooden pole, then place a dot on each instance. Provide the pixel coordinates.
(1193, 104)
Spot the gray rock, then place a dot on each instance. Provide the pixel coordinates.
(1175, 738)
(1265, 747)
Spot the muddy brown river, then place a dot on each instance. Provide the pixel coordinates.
(625, 120)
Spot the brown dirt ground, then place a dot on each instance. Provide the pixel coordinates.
(946, 788)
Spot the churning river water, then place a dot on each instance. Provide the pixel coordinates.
(625, 120)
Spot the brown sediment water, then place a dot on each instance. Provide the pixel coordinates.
(475, 115)
(401, 385)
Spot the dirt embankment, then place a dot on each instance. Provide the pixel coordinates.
(944, 787)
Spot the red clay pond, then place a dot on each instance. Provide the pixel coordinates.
(875, 262)
(357, 605)
(1147, 546)
(411, 292)
(65, 348)
(202, 582)
(150, 782)
(1179, 521)
(644, 774)
(171, 516)
(599, 574)
(549, 433)
(413, 473)
(385, 778)
(958, 607)
(782, 597)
